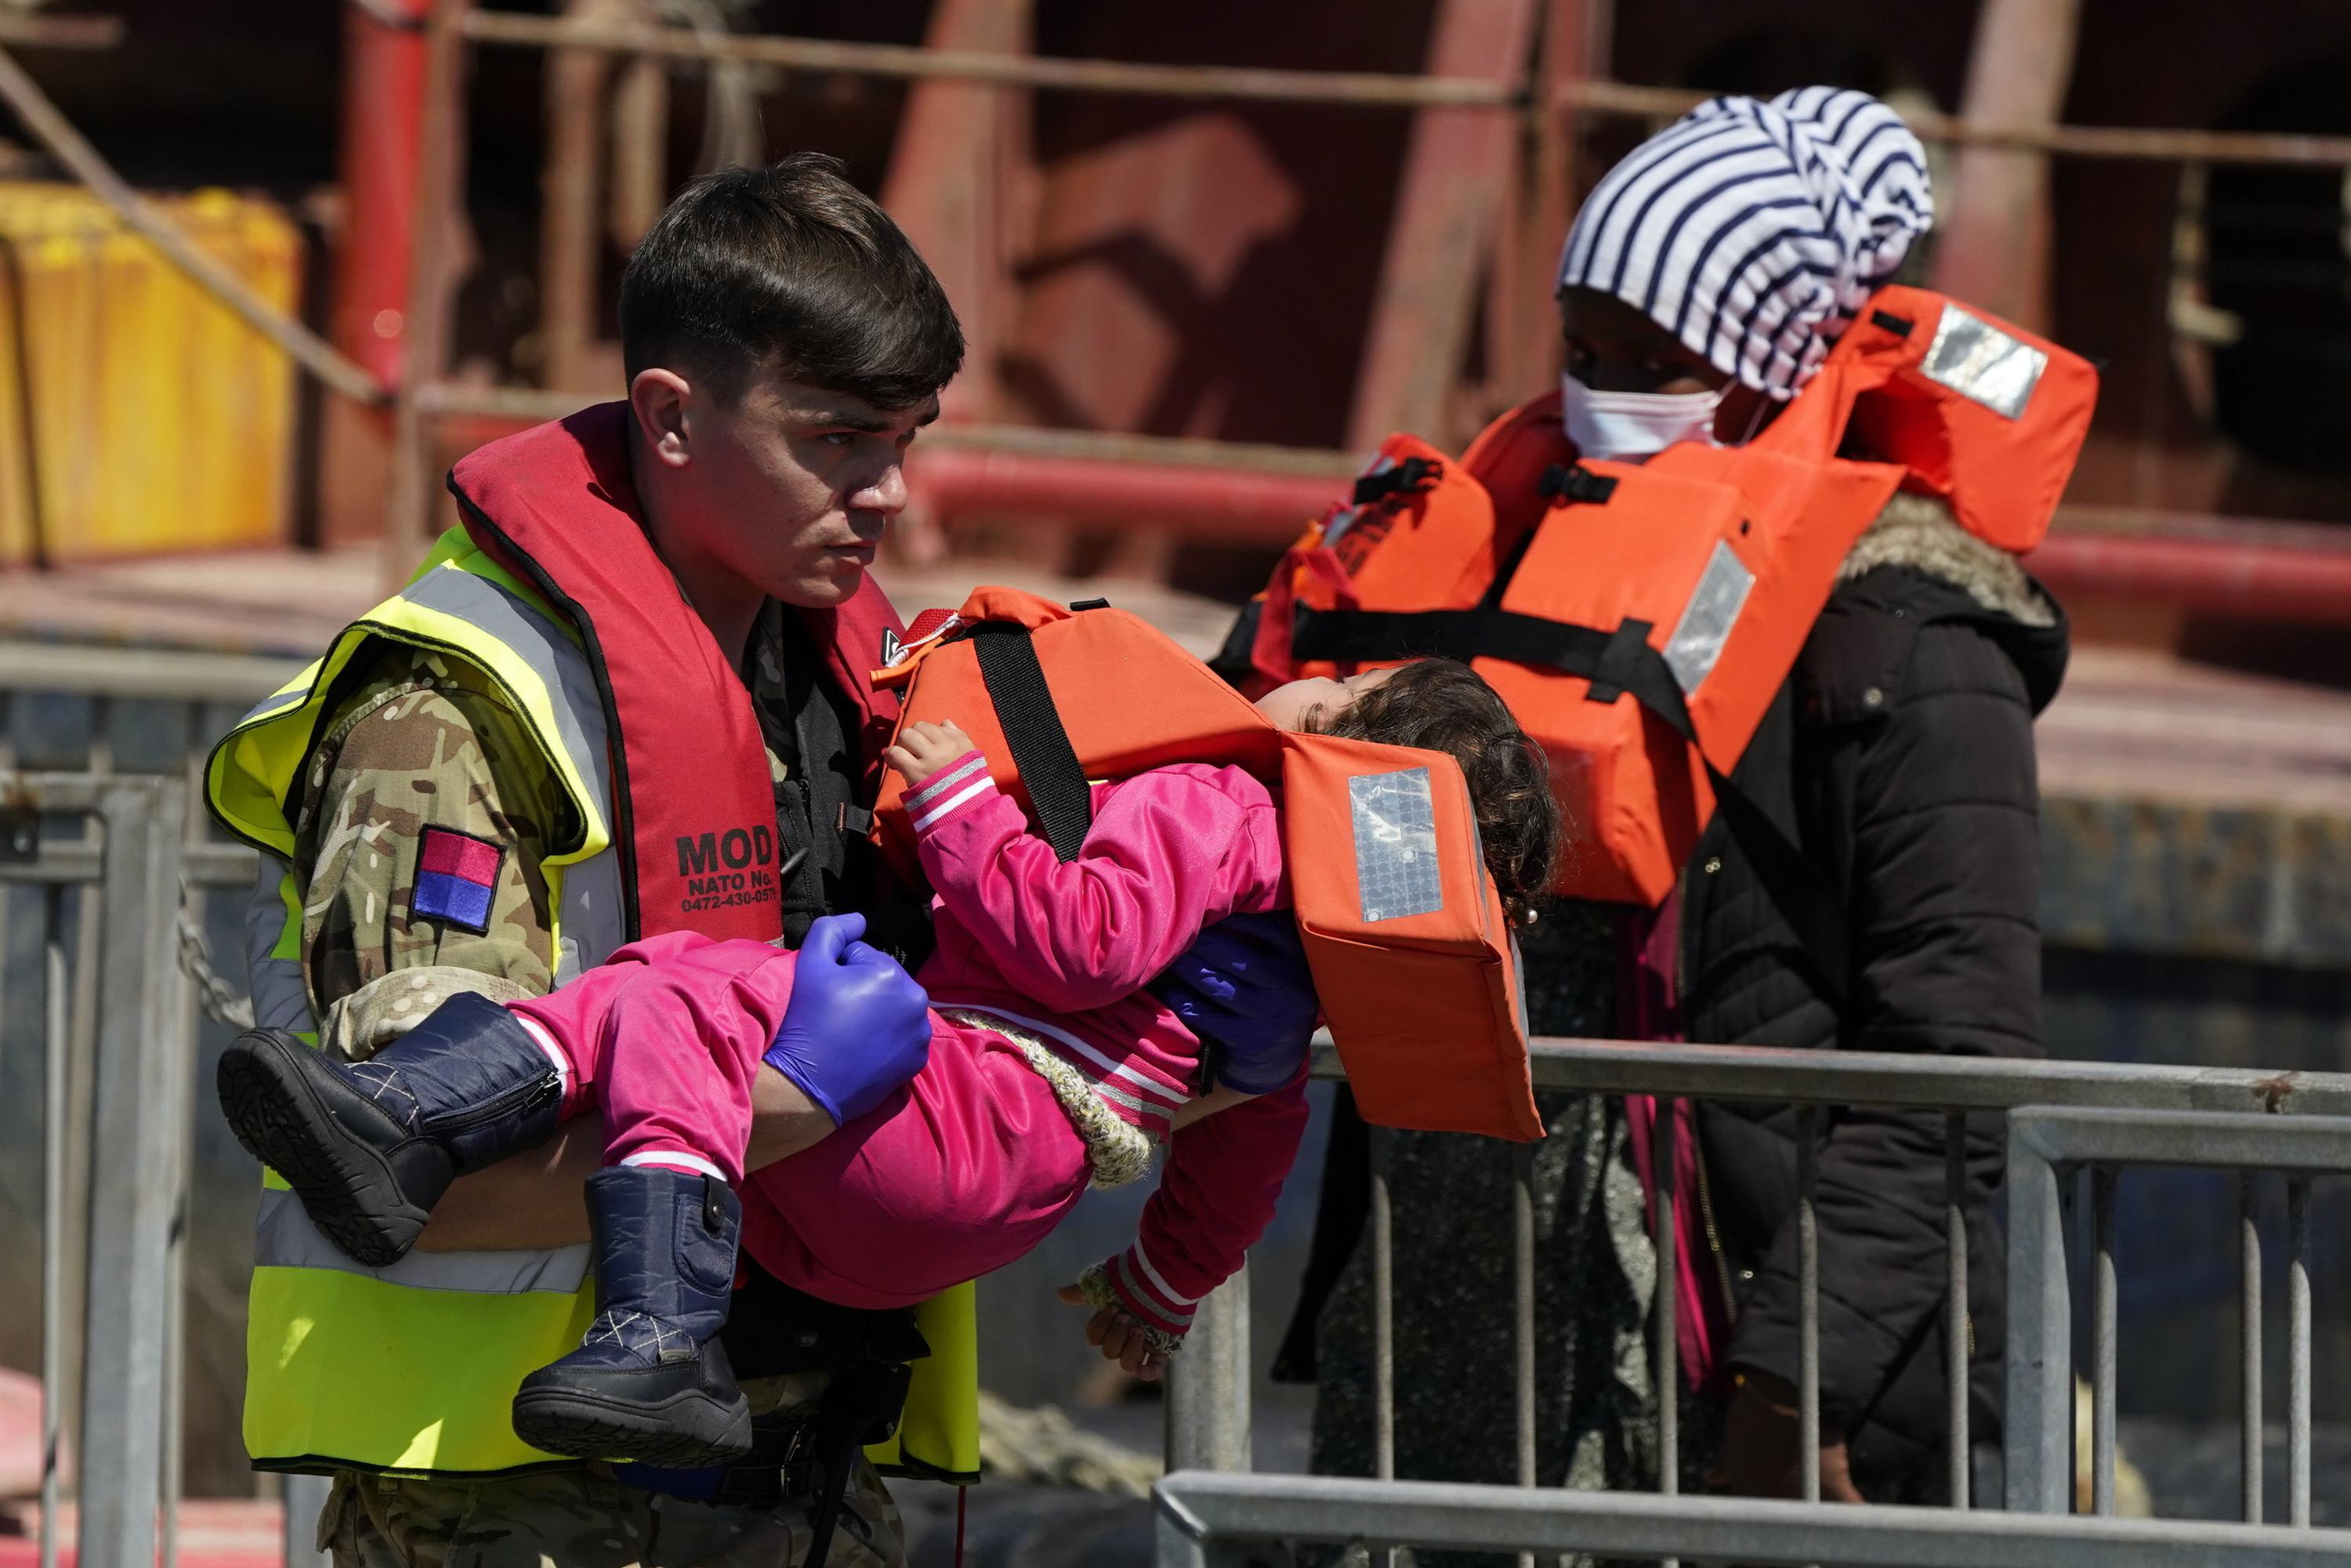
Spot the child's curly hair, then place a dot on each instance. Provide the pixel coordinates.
(1442, 704)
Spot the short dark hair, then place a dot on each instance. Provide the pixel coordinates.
(1443, 705)
(790, 271)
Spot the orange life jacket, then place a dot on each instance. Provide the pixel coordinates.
(1410, 952)
(1687, 583)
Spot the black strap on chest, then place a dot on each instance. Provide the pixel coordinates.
(1616, 663)
(1032, 727)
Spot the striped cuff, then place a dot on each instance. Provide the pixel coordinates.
(1095, 1285)
(949, 791)
(1142, 1291)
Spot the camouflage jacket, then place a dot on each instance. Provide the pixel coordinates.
(428, 740)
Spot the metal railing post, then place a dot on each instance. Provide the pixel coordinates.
(2040, 1417)
(2297, 1292)
(1208, 1384)
(56, 1129)
(140, 1122)
(304, 1498)
(1959, 1326)
(1522, 1312)
(2248, 1342)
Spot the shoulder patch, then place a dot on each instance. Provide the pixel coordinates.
(457, 877)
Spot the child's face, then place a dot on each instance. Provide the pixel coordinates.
(1317, 698)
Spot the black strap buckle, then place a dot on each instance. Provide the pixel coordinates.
(1613, 675)
(1578, 484)
(1412, 474)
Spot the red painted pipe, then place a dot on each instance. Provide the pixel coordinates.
(383, 110)
(1217, 505)
(2258, 580)
(2239, 580)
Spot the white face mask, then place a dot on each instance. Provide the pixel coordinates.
(1626, 427)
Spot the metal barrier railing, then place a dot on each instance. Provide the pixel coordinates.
(2043, 1146)
(1208, 1520)
(110, 853)
(2069, 1112)
(130, 865)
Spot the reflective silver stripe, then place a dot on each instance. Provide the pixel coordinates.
(280, 998)
(276, 703)
(283, 1237)
(1707, 621)
(549, 651)
(589, 921)
(1978, 361)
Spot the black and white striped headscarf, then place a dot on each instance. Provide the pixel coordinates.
(1753, 232)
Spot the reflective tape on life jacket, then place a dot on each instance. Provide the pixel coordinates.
(1639, 619)
(1412, 955)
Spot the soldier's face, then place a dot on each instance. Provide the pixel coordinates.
(789, 490)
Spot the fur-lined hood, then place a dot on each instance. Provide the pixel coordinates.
(1918, 567)
(1919, 532)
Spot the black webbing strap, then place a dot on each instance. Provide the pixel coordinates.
(1032, 727)
(1616, 663)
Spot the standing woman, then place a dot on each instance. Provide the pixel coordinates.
(1704, 282)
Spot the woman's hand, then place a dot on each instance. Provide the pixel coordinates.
(1120, 1337)
(1759, 1450)
(922, 749)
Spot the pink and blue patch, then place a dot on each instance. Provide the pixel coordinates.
(457, 875)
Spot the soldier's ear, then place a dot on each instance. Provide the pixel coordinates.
(660, 399)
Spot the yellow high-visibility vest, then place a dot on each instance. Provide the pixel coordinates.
(411, 1370)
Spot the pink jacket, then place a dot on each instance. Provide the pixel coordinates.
(1064, 951)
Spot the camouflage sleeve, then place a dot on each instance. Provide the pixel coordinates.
(425, 742)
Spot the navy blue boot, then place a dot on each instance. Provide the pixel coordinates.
(370, 1147)
(650, 1381)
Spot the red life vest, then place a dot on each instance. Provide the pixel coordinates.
(1411, 951)
(1687, 583)
(556, 505)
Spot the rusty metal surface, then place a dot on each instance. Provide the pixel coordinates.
(439, 198)
(570, 225)
(1363, 88)
(28, 30)
(1995, 248)
(1444, 227)
(952, 186)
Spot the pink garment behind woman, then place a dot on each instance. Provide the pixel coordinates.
(1651, 1010)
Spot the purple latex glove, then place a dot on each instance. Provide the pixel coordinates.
(857, 1026)
(1245, 985)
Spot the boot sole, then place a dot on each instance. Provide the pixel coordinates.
(348, 1189)
(683, 1432)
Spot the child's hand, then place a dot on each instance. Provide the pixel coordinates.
(922, 749)
(1120, 1337)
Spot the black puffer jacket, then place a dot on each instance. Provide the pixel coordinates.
(1900, 759)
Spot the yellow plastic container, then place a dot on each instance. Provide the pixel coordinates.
(156, 421)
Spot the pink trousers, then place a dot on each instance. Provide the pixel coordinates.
(959, 1172)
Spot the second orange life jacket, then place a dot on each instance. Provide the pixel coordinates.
(1639, 619)
(1412, 955)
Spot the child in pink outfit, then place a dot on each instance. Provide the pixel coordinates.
(1052, 1066)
